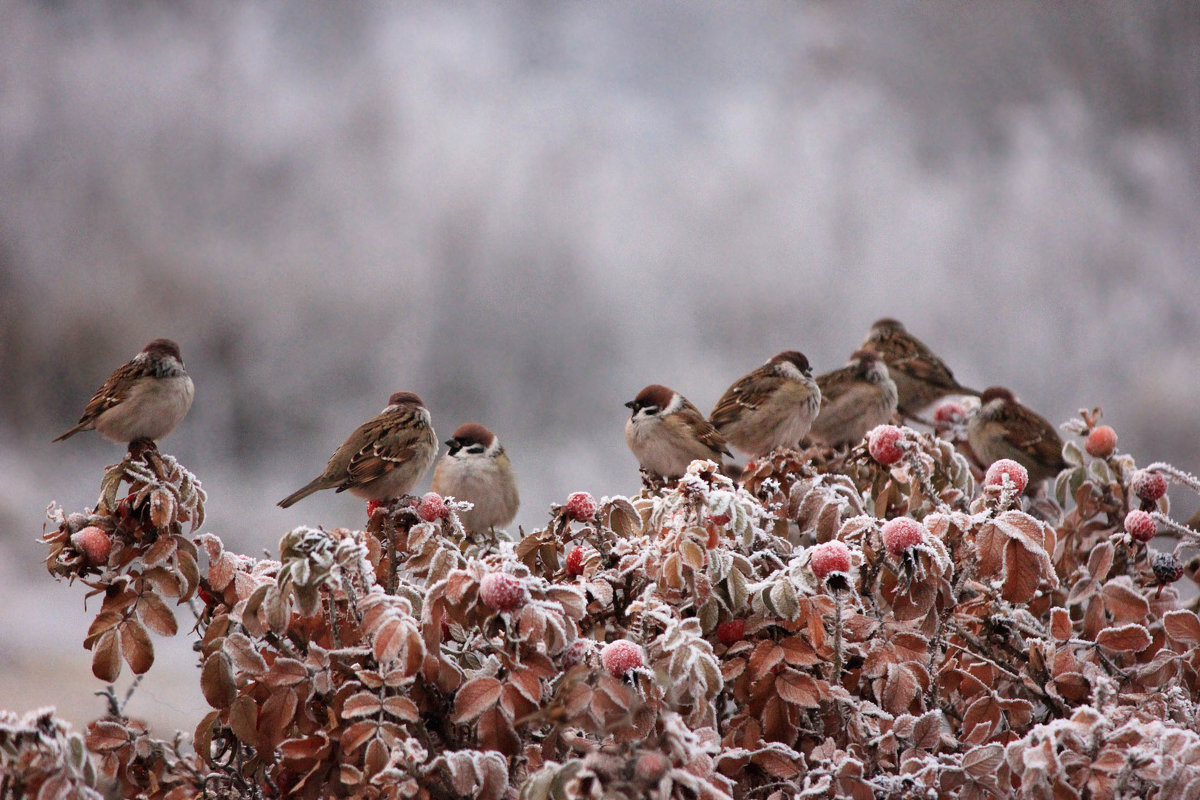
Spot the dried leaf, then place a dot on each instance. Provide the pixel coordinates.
(136, 646)
(1182, 626)
(475, 697)
(1127, 638)
(217, 682)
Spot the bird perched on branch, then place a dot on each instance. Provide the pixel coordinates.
(384, 457)
(854, 399)
(666, 433)
(145, 398)
(921, 377)
(476, 469)
(773, 406)
(1003, 428)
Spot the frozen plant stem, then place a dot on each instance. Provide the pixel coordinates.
(837, 636)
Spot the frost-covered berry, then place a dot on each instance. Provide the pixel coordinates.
(949, 413)
(621, 656)
(575, 561)
(581, 507)
(576, 652)
(95, 544)
(883, 442)
(371, 506)
(1006, 466)
(1167, 568)
(901, 533)
(731, 631)
(500, 591)
(432, 507)
(1101, 442)
(1140, 525)
(829, 557)
(1148, 486)
(651, 766)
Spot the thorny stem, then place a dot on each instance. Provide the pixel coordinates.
(837, 636)
(390, 535)
(1175, 474)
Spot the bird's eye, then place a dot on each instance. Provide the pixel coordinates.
(651, 410)
(475, 449)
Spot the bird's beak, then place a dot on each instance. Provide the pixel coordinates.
(631, 404)
(450, 443)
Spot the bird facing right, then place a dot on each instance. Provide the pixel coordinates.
(384, 457)
(144, 398)
(1003, 428)
(477, 470)
(854, 399)
(773, 406)
(921, 377)
(667, 433)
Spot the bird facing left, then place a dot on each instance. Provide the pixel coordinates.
(383, 458)
(144, 399)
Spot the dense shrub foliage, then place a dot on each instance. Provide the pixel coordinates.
(955, 640)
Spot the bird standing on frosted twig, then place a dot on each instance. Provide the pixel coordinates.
(666, 433)
(854, 399)
(773, 406)
(384, 457)
(144, 399)
(476, 469)
(921, 377)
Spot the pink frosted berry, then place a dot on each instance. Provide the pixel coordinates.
(581, 507)
(884, 444)
(95, 544)
(1006, 466)
(500, 591)
(576, 652)
(1101, 442)
(371, 506)
(650, 766)
(949, 413)
(432, 507)
(829, 557)
(621, 656)
(1140, 526)
(901, 533)
(1148, 486)
(575, 561)
(731, 631)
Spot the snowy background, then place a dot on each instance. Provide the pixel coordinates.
(527, 211)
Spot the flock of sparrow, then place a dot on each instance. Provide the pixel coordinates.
(778, 405)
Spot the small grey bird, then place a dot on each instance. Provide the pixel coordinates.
(854, 399)
(773, 406)
(667, 433)
(384, 457)
(921, 377)
(145, 398)
(1003, 428)
(476, 469)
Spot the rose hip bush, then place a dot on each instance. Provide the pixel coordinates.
(831, 626)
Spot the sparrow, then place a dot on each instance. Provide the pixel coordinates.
(1003, 428)
(854, 399)
(667, 433)
(384, 457)
(145, 398)
(773, 406)
(921, 377)
(477, 470)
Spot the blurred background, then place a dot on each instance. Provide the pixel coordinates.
(527, 211)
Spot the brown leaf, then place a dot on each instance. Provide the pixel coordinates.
(275, 718)
(376, 758)
(495, 732)
(363, 704)
(1127, 638)
(475, 697)
(983, 762)
(401, 708)
(136, 646)
(1060, 624)
(216, 681)
(1123, 603)
(243, 719)
(106, 660)
(154, 612)
(354, 736)
(104, 735)
(764, 658)
(286, 672)
(798, 689)
(1182, 626)
(777, 765)
(1100, 560)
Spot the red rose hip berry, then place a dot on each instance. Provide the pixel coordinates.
(901, 533)
(883, 442)
(621, 656)
(1006, 466)
(95, 544)
(502, 592)
(1101, 442)
(1148, 486)
(1140, 526)
(731, 631)
(581, 507)
(829, 557)
(949, 413)
(432, 507)
(575, 561)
